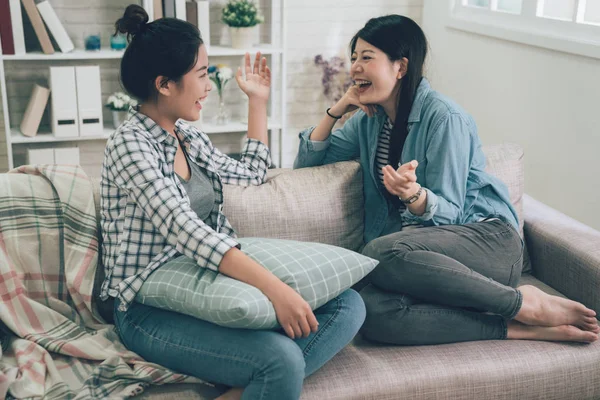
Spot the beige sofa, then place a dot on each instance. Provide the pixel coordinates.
(324, 204)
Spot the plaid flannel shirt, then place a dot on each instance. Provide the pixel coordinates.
(145, 211)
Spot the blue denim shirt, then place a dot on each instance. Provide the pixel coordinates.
(443, 139)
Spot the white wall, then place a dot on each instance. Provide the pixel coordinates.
(546, 101)
(323, 27)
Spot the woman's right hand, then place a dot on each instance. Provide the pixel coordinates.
(350, 102)
(293, 312)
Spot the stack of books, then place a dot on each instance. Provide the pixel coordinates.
(11, 26)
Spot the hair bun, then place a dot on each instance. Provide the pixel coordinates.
(133, 21)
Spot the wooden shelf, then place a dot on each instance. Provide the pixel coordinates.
(17, 138)
(215, 51)
(108, 54)
(76, 54)
(46, 137)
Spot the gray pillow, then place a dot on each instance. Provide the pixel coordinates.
(321, 205)
(318, 272)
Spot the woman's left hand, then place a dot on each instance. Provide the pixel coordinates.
(401, 182)
(257, 84)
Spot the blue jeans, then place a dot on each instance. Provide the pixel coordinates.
(268, 364)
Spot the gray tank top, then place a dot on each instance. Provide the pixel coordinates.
(200, 191)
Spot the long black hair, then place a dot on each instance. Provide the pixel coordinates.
(398, 37)
(165, 47)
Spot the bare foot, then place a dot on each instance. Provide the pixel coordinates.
(562, 333)
(231, 394)
(541, 309)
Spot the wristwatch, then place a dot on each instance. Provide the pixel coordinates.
(412, 198)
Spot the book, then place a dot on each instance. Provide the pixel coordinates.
(38, 26)
(6, 34)
(35, 110)
(158, 9)
(55, 27)
(149, 7)
(203, 16)
(169, 8)
(191, 12)
(180, 9)
(17, 26)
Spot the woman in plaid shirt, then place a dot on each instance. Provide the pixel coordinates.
(162, 199)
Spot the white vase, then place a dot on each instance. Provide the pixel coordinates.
(118, 117)
(242, 38)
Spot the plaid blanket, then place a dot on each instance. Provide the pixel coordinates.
(54, 344)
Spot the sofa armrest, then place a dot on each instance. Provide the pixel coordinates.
(565, 253)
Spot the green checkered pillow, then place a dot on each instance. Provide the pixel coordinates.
(318, 272)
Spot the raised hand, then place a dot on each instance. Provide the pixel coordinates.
(401, 182)
(257, 84)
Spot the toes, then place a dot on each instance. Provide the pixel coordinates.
(577, 335)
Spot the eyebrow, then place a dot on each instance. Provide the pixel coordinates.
(201, 68)
(365, 51)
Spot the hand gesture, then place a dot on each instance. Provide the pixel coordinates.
(350, 102)
(401, 182)
(257, 84)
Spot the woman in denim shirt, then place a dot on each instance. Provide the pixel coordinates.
(455, 277)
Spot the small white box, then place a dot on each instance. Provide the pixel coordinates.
(40, 156)
(63, 91)
(89, 100)
(66, 155)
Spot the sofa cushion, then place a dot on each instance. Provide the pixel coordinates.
(506, 162)
(321, 205)
(499, 370)
(318, 272)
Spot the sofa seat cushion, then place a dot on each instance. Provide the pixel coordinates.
(509, 369)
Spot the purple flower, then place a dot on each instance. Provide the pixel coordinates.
(336, 78)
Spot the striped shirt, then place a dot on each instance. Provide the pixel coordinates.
(382, 155)
(145, 211)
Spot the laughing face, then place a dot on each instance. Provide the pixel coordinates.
(193, 89)
(377, 77)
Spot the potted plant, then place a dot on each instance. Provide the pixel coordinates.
(242, 17)
(119, 104)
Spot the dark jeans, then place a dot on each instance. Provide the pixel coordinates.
(443, 284)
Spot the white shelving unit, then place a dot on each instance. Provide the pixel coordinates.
(277, 111)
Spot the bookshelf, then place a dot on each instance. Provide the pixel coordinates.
(17, 144)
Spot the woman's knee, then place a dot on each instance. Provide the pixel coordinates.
(353, 309)
(390, 254)
(385, 311)
(283, 361)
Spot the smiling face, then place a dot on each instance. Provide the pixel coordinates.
(185, 96)
(378, 77)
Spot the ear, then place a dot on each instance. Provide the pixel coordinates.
(403, 67)
(163, 85)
